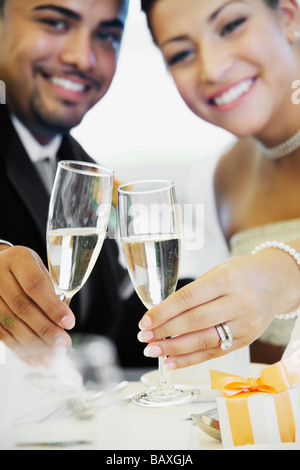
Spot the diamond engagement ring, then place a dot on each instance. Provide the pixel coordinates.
(225, 336)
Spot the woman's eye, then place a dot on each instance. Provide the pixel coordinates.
(232, 26)
(179, 57)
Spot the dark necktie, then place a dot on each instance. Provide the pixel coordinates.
(46, 172)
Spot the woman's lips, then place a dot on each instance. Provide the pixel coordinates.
(232, 94)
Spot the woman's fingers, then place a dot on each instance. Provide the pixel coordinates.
(196, 319)
(203, 340)
(186, 344)
(193, 348)
(225, 279)
(203, 290)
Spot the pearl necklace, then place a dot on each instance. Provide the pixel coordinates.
(282, 150)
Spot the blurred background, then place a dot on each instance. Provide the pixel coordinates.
(142, 129)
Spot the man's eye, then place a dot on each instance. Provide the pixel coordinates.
(179, 57)
(58, 25)
(109, 37)
(232, 26)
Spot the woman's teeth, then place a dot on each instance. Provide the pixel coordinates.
(234, 93)
(68, 84)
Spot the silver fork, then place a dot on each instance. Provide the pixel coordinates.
(85, 408)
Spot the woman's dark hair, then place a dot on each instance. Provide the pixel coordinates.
(148, 4)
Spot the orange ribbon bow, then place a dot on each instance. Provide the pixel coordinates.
(276, 379)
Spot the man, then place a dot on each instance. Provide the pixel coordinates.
(57, 59)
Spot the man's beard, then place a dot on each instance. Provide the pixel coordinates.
(53, 121)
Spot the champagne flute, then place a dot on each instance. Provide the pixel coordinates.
(150, 236)
(79, 212)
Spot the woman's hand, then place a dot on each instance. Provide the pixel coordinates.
(244, 292)
(32, 318)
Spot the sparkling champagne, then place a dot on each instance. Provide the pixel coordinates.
(72, 254)
(153, 265)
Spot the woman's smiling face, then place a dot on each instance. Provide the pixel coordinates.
(233, 62)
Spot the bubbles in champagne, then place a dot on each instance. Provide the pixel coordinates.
(72, 254)
(153, 265)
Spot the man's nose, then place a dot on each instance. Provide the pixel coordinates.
(78, 51)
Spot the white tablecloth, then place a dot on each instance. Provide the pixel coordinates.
(125, 426)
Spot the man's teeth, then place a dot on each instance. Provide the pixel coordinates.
(234, 93)
(67, 84)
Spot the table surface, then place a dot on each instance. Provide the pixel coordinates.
(124, 426)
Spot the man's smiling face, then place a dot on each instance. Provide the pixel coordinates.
(58, 58)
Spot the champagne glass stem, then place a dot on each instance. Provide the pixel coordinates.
(65, 299)
(165, 381)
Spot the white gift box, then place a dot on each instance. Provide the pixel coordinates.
(254, 418)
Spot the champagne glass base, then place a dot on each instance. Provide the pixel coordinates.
(166, 397)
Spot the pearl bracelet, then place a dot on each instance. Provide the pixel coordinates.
(296, 256)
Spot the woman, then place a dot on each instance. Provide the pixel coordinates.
(234, 63)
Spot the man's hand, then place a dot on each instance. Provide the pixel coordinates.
(32, 318)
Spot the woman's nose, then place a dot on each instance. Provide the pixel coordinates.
(215, 62)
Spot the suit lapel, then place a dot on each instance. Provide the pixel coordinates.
(71, 150)
(26, 182)
(24, 176)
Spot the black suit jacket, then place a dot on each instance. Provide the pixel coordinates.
(98, 307)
